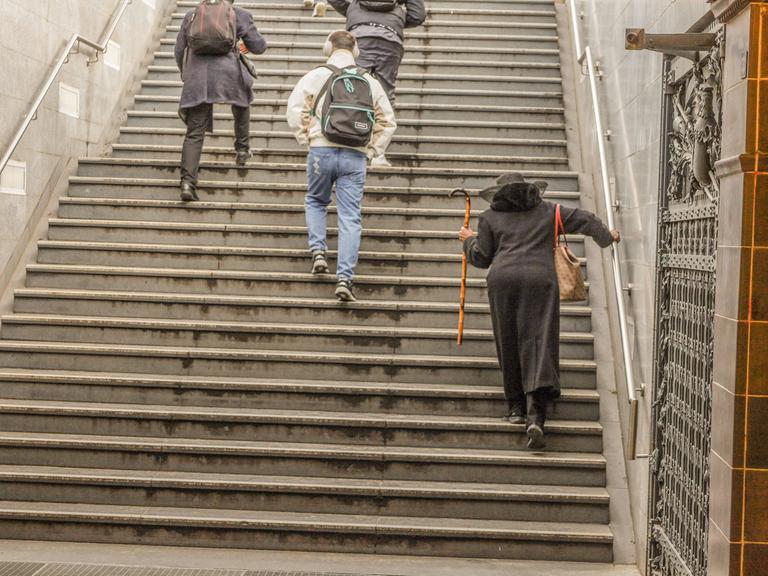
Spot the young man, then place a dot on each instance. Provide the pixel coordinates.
(214, 79)
(380, 33)
(320, 7)
(330, 163)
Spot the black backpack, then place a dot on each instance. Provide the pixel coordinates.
(212, 30)
(380, 5)
(348, 114)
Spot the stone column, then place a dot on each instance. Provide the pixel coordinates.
(738, 529)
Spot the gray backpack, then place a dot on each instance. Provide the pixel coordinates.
(380, 5)
(348, 115)
(212, 31)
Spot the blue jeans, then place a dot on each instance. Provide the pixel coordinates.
(347, 169)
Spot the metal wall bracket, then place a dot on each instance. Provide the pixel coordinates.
(688, 45)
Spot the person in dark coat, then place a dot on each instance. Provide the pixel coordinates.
(380, 36)
(209, 80)
(515, 238)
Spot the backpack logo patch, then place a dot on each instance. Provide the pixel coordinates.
(361, 126)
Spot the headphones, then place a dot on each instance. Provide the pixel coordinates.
(328, 47)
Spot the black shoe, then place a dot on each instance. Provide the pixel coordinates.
(243, 156)
(516, 413)
(535, 437)
(344, 291)
(188, 192)
(319, 262)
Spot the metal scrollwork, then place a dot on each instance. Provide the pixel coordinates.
(685, 304)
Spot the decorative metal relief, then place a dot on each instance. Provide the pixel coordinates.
(685, 306)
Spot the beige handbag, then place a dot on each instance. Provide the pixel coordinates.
(567, 266)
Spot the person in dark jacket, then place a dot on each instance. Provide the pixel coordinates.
(210, 80)
(515, 238)
(380, 36)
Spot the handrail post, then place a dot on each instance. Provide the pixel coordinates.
(75, 40)
(584, 57)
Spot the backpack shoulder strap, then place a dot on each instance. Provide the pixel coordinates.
(334, 70)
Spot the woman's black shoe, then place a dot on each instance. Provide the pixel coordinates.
(188, 192)
(516, 413)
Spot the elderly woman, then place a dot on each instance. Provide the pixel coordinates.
(515, 239)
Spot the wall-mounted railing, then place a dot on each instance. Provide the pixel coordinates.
(71, 47)
(586, 60)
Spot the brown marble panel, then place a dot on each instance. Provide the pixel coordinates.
(756, 502)
(760, 285)
(757, 432)
(755, 562)
(758, 359)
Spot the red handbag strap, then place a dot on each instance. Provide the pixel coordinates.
(559, 228)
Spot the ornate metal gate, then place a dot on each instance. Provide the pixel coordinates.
(685, 307)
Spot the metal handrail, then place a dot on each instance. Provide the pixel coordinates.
(74, 43)
(584, 58)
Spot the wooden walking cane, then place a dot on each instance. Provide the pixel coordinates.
(463, 290)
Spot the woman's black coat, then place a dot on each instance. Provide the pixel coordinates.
(516, 240)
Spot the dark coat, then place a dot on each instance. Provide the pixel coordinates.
(413, 13)
(516, 240)
(217, 79)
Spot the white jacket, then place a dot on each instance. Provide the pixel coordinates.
(307, 128)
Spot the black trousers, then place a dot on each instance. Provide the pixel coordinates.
(200, 120)
(382, 58)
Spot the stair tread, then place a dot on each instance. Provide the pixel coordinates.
(403, 122)
(306, 450)
(402, 306)
(243, 519)
(276, 355)
(398, 106)
(253, 415)
(265, 384)
(252, 228)
(402, 257)
(301, 167)
(272, 327)
(276, 186)
(322, 485)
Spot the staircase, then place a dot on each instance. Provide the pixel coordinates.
(172, 374)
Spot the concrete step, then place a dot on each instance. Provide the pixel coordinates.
(230, 362)
(409, 65)
(317, 532)
(461, 11)
(454, 400)
(135, 189)
(173, 135)
(296, 459)
(247, 283)
(270, 425)
(403, 110)
(405, 80)
(267, 336)
(308, 495)
(295, 260)
(296, 155)
(399, 176)
(504, 96)
(253, 236)
(443, 127)
(217, 307)
(311, 47)
(530, 39)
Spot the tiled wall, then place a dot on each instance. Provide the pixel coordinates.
(32, 34)
(631, 98)
(739, 479)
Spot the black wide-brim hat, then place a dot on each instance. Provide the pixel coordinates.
(510, 180)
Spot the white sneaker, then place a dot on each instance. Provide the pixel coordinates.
(320, 9)
(308, 3)
(380, 162)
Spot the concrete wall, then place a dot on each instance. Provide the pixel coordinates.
(630, 93)
(32, 35)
